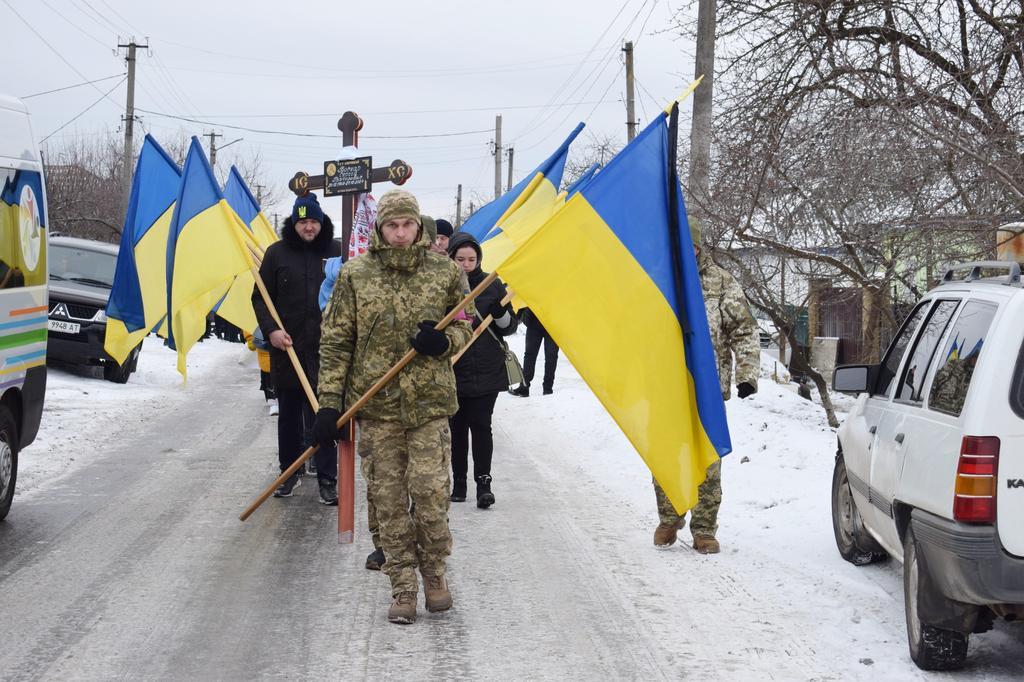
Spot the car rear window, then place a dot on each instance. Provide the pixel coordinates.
(959, 357)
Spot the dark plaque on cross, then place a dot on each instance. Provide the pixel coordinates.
(349, 177)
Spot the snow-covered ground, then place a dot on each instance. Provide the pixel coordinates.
(778, 603)
(83, 412)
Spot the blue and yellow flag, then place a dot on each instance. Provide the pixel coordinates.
(535, 200)
(599, 275)
(544, 179)
(206, 251)
(138, 298)
(244, 204)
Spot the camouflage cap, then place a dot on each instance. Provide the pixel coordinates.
(398, 204)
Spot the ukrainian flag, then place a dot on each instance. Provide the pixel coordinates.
(206, 251)
(600, 275)
(138, 298)
(534, 200)
(244, 204)
(237, 304)
(542, 182)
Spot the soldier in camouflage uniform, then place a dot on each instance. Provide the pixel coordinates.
(733, 330)
(383, 302)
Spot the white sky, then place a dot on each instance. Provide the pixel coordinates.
(394, 63)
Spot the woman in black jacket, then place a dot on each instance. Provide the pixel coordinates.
(480, 376)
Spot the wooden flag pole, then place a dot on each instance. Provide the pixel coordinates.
(273, 313)
(481, 329)
(366, 397)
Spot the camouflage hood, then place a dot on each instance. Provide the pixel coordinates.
(404, 258)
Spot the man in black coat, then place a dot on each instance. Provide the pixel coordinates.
(292, 271)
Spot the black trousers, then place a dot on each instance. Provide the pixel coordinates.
(473, 417)
(295, 433)
(535, 334)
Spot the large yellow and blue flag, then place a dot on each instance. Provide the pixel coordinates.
(138, 297)
(543, 181)
(534, 200)
(237, 304)
(240, 198)
(613, 277)
(206, 251)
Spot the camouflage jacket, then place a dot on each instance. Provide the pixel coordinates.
(733, 328)
(377, 302)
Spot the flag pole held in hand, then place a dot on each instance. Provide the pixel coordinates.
(366, 397)
(481, 329)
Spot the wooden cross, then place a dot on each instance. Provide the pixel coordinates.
(398, 172)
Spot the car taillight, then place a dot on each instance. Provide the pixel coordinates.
(975, 500)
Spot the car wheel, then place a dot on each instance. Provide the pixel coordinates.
(853, 540)
(8, 459)
(119, 373)
(931, 648)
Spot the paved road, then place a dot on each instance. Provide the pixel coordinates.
(136, 567)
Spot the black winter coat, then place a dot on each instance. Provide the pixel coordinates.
(293, 271)
(481, 369)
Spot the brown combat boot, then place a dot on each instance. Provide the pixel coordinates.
(706, 544)
(665, 534)
(403, 608)
(435, 589)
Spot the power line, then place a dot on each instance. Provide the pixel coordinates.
(68, 87)
(413, 111)
(74, 25)
(77, 116)
(54, 50)
(316, 135)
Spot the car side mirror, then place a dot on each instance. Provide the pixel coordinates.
(853, 378)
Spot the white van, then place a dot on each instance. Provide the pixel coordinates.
(930, 467)
(23, 292)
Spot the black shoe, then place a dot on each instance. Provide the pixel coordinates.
(458, 490)
(484, 496)
(328, 492)
(375, 560)
(290, 484)
(548, 391)
(523, 391)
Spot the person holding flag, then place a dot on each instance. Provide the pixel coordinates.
(733, 331)
(292, 270)
(383, 303)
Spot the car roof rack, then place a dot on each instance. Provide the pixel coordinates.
(976, 268)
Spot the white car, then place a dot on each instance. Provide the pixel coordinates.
(930, 466)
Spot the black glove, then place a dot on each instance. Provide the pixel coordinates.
(497, 310)
(428, 340)
(325, 429)
(745, 390)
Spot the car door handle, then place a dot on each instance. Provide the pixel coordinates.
(873, 429)
(899, 438)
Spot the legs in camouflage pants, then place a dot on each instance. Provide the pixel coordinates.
(703, 517)
(410, 463)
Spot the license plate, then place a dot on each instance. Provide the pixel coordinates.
(64, 327)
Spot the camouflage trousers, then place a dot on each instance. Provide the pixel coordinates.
(410, 464)
(366, 466)
(703, 517)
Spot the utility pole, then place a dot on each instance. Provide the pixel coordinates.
(630, 98)
(511, 153)
(259, 195)
(700, 128)
(458, 207)
(129, 114)
(213, 146)
(497, 156)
